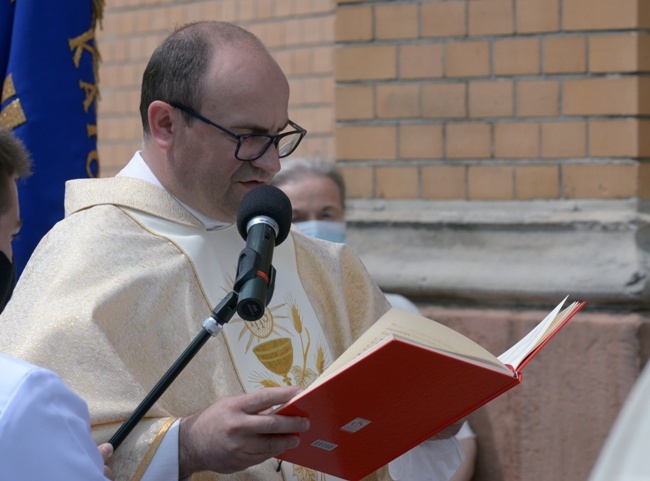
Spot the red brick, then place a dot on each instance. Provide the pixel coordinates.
(490, 182)
(398, 100)
(353, 23)
(601, 96)
(354, 102)
(537, 16)
(619, 138)
(538, 98)
(619, 53)
(399, 182)
(359, 181)
(468, 140)
(444, 19)
(467, 59)
(516, 140)
(372, 142)
(491, 99)
(491, 17)
(444, 182)
(377, 62)
(516, 56)
(600, 14)
(565, 55)
(564, 139)
(421, 61)
(420, 141)
(600, 181)
(537, 182)
(444, 100)
(644, 181)
(396, 21)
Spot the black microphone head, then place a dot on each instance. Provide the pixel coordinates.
(267, 201)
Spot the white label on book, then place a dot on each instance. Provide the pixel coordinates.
(327, 446)
(355, 425)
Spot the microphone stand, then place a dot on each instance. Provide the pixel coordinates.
(211, 327)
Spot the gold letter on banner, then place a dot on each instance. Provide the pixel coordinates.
(93, 157)
(12, 115)
(81, 43)
(91, 94)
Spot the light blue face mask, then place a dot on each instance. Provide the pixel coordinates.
(329, 230)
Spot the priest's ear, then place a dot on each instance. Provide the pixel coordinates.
(162, 119)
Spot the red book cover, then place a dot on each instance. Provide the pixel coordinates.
(396, 394)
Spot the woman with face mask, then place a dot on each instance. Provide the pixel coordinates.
(317, 193)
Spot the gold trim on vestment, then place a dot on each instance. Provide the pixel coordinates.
(152, 449)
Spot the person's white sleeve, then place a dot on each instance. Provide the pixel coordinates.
(45, 429)
(401, 302)
(164, 464)
(466, 431)
(432, 460)
(624, 456)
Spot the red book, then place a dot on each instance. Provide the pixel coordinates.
(401, 382)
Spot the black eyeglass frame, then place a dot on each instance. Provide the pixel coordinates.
(272, 139)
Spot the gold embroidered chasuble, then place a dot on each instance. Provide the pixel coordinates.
(119, 288)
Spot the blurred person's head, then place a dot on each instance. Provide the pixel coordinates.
(317, 192)
(14, 163)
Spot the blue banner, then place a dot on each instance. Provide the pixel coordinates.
(48, 70)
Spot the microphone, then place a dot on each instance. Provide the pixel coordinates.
(263, 221)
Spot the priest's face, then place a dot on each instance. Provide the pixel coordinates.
(245, 92)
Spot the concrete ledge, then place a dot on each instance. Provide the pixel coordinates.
(553, 425)
(530, 253)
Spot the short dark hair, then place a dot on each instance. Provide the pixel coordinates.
(176, 69)
(293, 169)
(15, 162)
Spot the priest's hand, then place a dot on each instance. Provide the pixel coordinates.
(237, 432)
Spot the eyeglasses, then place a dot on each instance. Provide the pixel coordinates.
(253, 146)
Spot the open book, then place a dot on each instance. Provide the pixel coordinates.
(405, 379)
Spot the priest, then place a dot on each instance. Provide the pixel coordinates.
(118, 289)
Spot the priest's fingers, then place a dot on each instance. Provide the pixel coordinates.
(264, 399)
(230, 435)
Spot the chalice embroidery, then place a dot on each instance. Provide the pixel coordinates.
(277, 355)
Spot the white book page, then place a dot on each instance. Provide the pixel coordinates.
(517, 353)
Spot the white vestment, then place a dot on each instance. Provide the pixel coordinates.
(44, 427)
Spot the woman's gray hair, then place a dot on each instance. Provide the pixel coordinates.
(294, 169)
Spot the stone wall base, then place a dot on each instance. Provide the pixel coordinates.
(506, 253)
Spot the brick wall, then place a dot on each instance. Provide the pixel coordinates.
(493, 99)
(457, 99)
